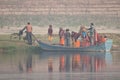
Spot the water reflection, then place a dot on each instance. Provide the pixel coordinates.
(25, 66)
(108, 58)
(75, 62)
(50, 64)
(20, 66)
(29, 63)
(60, 66)
(57, 62)
(62, 63)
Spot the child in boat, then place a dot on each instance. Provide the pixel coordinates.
(50, 33)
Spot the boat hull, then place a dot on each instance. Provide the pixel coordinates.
(104, 47)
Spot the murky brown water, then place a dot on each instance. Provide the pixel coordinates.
(60, 66)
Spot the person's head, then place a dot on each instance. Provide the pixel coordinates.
(60, 28)
(72, 32)
(105, 36)
(81, 26)
(28, 23)
(50, 26)
(67, 29)
(91, 25)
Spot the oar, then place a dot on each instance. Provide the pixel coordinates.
(35, 38)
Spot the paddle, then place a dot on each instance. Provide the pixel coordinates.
(35, 38)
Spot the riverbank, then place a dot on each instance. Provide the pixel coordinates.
(10, 45)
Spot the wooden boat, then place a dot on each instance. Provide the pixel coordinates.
(104, 47)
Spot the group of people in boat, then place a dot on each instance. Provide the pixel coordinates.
(84, 37)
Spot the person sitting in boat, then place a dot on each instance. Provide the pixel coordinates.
(105, 37)
(84, 36)
(74, 37)
(61, 36)
(67, 37)
(83, 33)
(73, 34)
(102, 39)
(50, 33)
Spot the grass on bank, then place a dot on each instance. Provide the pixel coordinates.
(8, 45)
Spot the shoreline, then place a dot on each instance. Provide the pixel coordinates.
(43, 30)
(111, 33)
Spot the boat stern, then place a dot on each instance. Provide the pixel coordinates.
(108, 45)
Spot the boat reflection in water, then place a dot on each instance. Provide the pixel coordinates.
(50, 64)
(66, 62)
(60, 66)
(76, 62)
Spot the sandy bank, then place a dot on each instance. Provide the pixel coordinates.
(43, 30)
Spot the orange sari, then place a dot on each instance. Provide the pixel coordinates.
(62, 41)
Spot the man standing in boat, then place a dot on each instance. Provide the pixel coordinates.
(61, 36)
(67, 37)
(91, 32)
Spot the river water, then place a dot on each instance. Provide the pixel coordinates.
(60, 66)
